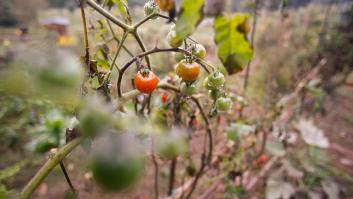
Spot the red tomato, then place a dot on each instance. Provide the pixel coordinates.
(146, 81)
(263, 158)
(164, 98)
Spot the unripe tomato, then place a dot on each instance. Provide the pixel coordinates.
(187, 89)
(172, 39)
(116, 175)
(178, 56)
(207, 85)
(216, 79)
(214, 94)
(199, 51)
(165, 5)
(223, 103)
(151, 8)
(188, 71)
(146, 81)
(116, 162)
(171, 145)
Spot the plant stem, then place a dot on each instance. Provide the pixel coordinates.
(252, 37)
(85, 34)
(117, 40)
(142, 46)
(47, 167)
(68, 180)
(156, 171)
(154, 50)
(109, 16)
(204, 160)
(118, 50)
(142, 21)
(172, 176)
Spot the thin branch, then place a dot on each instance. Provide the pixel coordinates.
(109, 16)
(117, 40)
(205, 160)
(120, 45)
(62, 166)
(47, 167)
(251, 185)
(152, 51)
(156, 172)
(142, 21)
(85, 34)
(142, 46)
(171, 176)
(252, 38)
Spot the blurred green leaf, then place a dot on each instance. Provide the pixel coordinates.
(233, 48)
(3, 192)
(12, 170)
(190, 16)
(124, 10)
(95, 83)
(237, 130)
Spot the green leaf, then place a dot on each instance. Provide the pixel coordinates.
(124, 10)
(190, 16)
(95, 83)
(12, 170)
(103, 65)
(237, 130)
(233, 48)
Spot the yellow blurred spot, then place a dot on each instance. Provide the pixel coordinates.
(65, 40)
(6, 42)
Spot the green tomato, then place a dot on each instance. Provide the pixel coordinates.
(93, 122)
(116, 162)
(171, 145)
(216, 79)
(172, 39)
(178, 56)
(151, 8)
(116, 175)
(199, 50)
(207, 85)
(187, 89)
(214, 94)
(223, 103)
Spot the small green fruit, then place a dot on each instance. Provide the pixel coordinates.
(199, 50)
(223, 103)
(187, 89)
(216, 79)
(172, 39)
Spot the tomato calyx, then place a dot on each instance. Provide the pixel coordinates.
(145, 71)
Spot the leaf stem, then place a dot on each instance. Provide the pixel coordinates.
(85, 33)
(109, 16)
(47, 167)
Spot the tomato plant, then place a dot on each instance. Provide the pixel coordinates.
(165, 121)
